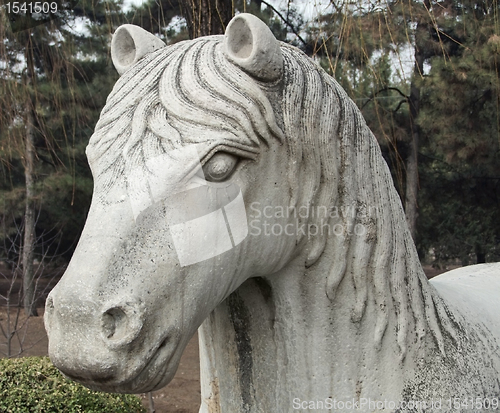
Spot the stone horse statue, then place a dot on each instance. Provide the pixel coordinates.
(239, 192)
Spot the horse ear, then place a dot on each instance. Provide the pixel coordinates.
(251, 45)
(129, 44)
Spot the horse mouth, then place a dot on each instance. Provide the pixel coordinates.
(157, 371)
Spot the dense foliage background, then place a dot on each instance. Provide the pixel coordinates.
(424, 73)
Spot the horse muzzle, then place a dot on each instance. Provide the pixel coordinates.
(107, 348)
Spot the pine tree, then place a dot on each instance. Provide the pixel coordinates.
(451, 113)
(461, 117)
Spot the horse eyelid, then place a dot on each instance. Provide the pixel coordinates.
(226, 174)
(242, 153)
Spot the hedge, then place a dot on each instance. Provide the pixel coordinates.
(33, 384)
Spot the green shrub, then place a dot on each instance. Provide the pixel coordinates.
(33, 384)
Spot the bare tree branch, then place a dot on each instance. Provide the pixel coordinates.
(285, 20)
(406, 98)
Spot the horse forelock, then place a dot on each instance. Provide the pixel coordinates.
(177, 96)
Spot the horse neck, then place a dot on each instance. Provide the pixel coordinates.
(281, 337)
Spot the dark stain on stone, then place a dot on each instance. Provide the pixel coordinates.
(264, 288)
(266, 291)
(240, 319)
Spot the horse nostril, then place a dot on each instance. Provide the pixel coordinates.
(114, 324)
(121, 324)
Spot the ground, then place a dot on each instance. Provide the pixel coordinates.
(182, 395)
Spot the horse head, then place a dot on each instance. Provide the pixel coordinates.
(190, 138)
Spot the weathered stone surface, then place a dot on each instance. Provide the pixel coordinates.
(238, 188)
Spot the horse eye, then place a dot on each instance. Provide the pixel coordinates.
(220, 167)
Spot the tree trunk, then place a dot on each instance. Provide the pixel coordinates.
(411, 205)
(206, 17)
(480, 255)
(29, 215)
(412, 159)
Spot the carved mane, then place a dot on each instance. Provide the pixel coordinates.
(332, 133)
(154, 109)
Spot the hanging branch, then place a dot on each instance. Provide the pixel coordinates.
(401, 102)
(406, 98)
(285, 20)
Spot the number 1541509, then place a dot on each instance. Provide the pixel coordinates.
(40, 7)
